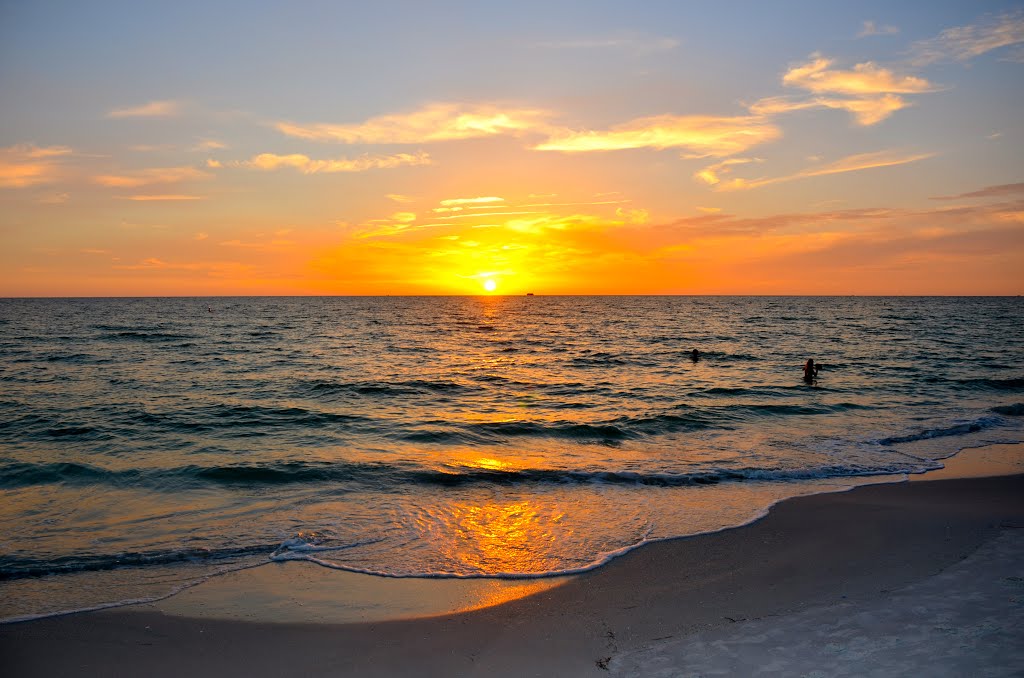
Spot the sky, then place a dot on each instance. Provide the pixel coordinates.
(393, 148)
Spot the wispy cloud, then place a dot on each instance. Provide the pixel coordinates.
(999, 191)
(208, 145)
(872, 28)
(157, 198)
(866, 111)
(156, 175)
(962, 43)
(397, 197)
(306, 165)
(704, 135)
(471, 201)
(711, 174)
(153, 109)
(435, 122)
(55, 199)
(637, 43)
(25, 165)
(851, 163)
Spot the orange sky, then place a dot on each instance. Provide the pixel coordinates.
(672, 150)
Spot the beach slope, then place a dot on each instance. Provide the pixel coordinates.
(816, 555)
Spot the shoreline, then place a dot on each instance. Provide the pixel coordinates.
(823, 549)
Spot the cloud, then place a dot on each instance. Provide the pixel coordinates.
(156, 175)
(851, 163)
(639, 44)
(707, 135)
(471, 201)
(962, 43)
(396, 197)
(153, 198)
(864, 79)
(871, 28)
(711, 174)
(208, 145)
(25, 165)
(153, 109)
(866, 111)
(1000, 191)
(306, 165)
(434, 122)
(867, 91)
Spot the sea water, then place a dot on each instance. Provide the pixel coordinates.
(147, 444)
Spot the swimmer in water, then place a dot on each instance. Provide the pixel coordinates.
(810, 370)
(694, 355)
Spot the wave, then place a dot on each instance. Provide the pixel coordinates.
(383, 476)
(1014, 410)
(137, 335)
(955, 430)
(381, 388)
(16, 567)
(1012, 384)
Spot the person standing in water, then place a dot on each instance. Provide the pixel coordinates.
(810, 370)
(694, 355)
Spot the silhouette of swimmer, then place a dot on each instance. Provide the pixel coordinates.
(694, 355)
(810, 370)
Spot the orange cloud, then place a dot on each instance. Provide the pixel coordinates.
(868, 91)
(711, 174)
(852, 163)
(865, 79)
(153, 109)
(156, 175)
(155, 198)
(471, 201)
(705, 135)
(999, 191)
(435, 122)
(866, 110)
(306, 165)
(25, 165)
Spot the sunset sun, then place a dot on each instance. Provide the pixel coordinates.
(490, 285)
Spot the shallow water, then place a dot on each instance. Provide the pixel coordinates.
(147, 443)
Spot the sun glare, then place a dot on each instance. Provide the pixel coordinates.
(490, 285)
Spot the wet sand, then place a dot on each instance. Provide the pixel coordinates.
(874, 553)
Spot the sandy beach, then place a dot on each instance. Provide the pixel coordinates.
(928, 571)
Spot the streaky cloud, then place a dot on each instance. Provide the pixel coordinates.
(155, 175)
(865, 110)
(704, 134)
(962, 43)
(306, 165)
(154, 109)
(471, 201)
(159, 198)
(24, 165)
(640, 44)
(433, 123)
(851, 163)
(999, 191)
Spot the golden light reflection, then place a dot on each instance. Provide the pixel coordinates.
(500, 537)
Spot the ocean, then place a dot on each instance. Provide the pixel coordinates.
(149, 444)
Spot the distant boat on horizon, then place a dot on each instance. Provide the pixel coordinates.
(529, 294)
